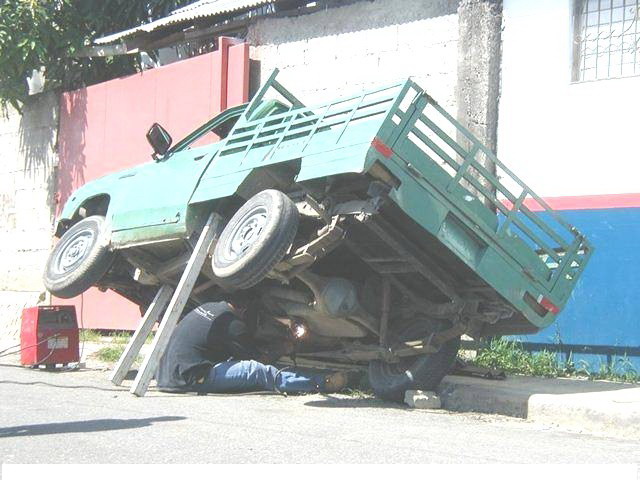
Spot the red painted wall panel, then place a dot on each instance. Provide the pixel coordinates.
(238, 80)
(102, 130)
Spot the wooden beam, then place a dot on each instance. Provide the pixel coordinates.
(144, 329)
(178, 301)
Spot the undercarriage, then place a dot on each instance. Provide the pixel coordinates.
(349, 288)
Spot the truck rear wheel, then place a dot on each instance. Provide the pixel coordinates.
(423, 372)
(79, 260)
(256, 238)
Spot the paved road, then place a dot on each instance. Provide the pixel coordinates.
(78, 417)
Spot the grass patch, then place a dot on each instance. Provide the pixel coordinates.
(619, 369)
(510, 356)
(120, 338)
(125, 337)
(88, 335)
(111, 353)
(357, 393)
(115, 337)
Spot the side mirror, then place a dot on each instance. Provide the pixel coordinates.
(159, 139)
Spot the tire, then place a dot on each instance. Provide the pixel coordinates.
(79, 260)
(256, 238)
(390, 381)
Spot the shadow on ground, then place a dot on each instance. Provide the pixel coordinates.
(84, 426)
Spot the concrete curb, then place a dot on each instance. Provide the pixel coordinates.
(603, 408)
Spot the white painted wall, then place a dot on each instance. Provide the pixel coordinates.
(563, 138)
(359, 46)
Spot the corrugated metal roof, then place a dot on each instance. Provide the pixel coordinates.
(199, 9)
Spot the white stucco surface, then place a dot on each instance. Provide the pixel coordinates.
(562, 138)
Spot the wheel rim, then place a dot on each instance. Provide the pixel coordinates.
(75, 250)
(246, 233)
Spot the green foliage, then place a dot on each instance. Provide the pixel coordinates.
(88, 335)
(508, 355)
(49, 34)
(618, 369)
(120, 338)
(30, 36)
(111, 353)
(95, 336)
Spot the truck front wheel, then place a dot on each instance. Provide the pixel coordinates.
(390, 381)
(79, 260)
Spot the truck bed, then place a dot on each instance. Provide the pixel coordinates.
(463, 200)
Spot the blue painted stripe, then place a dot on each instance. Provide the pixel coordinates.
(604, 308)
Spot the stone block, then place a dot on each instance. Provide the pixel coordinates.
(420, 399)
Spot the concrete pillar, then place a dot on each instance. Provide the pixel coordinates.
(479, 58)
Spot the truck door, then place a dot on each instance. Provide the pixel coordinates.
(157, 193)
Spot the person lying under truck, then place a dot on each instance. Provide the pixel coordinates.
(211, 350)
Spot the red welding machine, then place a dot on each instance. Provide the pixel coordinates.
(49, 335)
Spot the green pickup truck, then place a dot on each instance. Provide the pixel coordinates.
(370, 230)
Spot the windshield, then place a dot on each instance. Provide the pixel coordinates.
(214, 130)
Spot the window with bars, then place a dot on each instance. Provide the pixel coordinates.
(607, 39)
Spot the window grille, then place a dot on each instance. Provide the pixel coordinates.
(607, 39)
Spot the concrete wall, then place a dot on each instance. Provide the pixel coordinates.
(357, 46)
(562, 138)
(478, 92)
(27, 168)
(577, 142)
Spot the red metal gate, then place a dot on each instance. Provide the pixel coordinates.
(102, 130)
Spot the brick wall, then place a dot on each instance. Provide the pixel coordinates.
(27, 164)
(361, 45)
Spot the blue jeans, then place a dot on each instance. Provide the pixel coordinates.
(251, 376)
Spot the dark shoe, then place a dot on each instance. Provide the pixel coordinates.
(334, 382)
